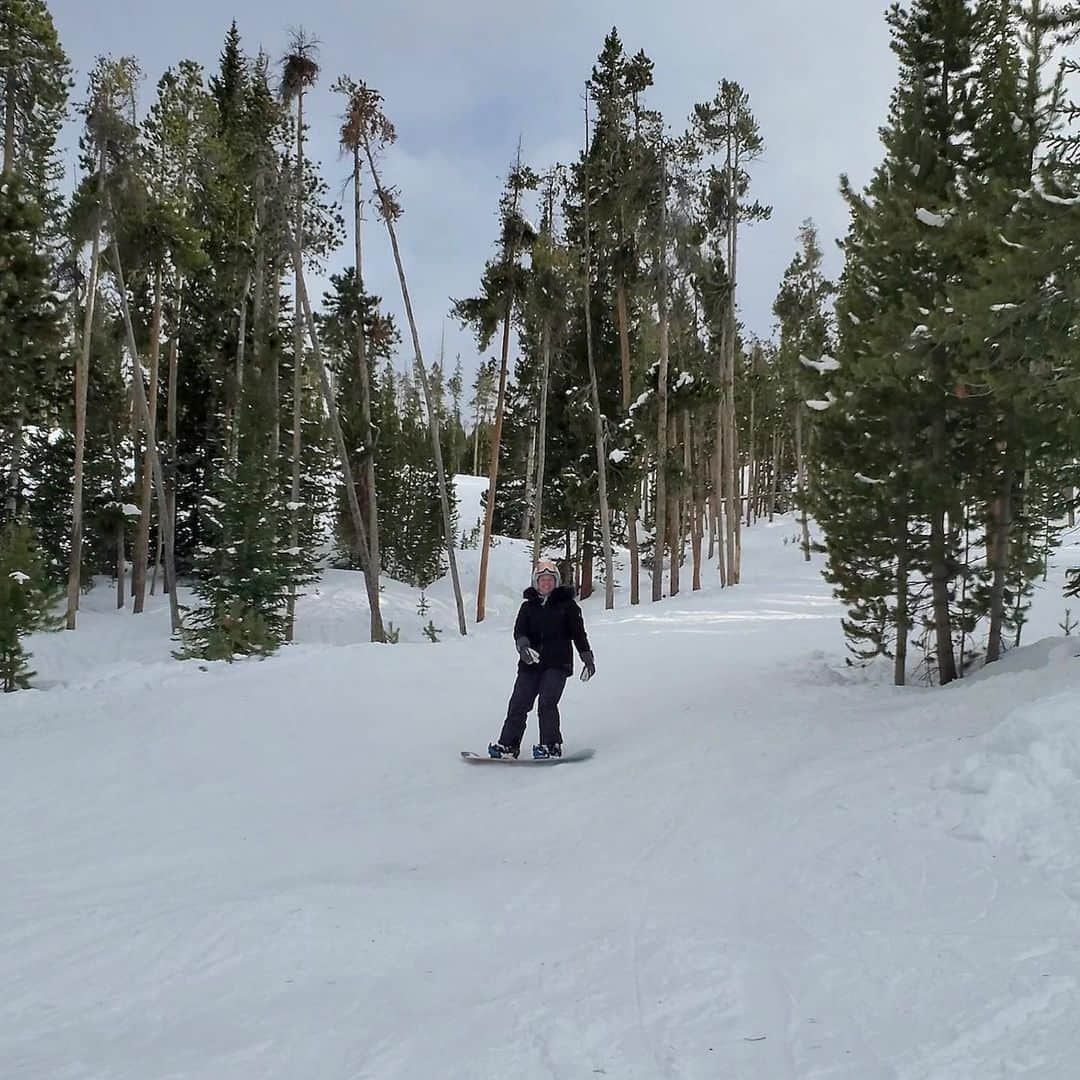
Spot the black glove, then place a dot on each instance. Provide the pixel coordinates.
(527, 653)
(590, 666)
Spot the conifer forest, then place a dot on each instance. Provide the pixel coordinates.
(540, 541)
(190, 403)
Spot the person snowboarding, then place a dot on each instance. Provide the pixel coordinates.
(548, 624)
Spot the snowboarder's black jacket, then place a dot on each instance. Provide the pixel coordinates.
(551, 629)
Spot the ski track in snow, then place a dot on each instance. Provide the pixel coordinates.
(775, 868)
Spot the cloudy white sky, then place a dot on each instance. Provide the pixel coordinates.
(464, 80)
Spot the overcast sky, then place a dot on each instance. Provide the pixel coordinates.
(464, 80)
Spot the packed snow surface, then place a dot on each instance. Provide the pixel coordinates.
(776, 866)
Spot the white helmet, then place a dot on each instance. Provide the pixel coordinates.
(545, 566)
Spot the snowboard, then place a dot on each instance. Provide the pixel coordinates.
(483, 759)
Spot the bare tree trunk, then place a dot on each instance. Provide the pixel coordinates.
(1019, 501)
(143, 413)
(731, 340)
(740, 495)
(238, 373)
(751, 488)
(14, 483)
(774, 480)
(941, 574)
(476, 438)
(496, 438)
(275, 368)
(585, 545)
(675, 517)
(526, 513)
(800, 464)
(159, 546)
(295, 507)
(998, 558)
(433, 419)
(371, 580)
(121, 568)
(939, 577)
(711, 513)
(374, 554)
(698, 503)
(624, 337)
(141, 556)
(598, 420)
(731, 507)
(686, 517)
(82, 377)
(662, 399)
(903, 614)
(720, 484)
(545, 380)
(493, 472)
(169, 534)
(633, 510)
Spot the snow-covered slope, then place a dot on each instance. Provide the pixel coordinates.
(775, 867)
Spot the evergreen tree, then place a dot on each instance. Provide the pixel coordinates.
(30, 331)
(244, 573)
(625, 177)
(886, 427)
(344, 307)
(27, 602)
(34, 84)
(726, 127)
(802, 354)
(502, 290)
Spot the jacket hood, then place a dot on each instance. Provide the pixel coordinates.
(561, 593)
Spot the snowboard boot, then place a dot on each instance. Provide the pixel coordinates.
(542, 752)
(497, 750)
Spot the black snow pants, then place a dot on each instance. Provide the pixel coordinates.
(548, 684)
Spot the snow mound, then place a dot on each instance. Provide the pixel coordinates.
(1025, 780)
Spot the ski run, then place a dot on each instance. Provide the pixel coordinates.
(776, 866)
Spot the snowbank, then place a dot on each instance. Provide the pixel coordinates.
(1024, 782)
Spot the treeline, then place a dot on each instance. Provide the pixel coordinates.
(176, 405)
(945, 438)
(173, 401)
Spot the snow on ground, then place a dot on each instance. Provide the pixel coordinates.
(775, 866)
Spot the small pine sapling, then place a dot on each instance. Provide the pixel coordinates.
(432, 632)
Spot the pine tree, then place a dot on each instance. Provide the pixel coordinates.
(625, 177)
(502, 290)
(885, 436)
(300, 73)
(367, 435)
(344, 307)
(802, 355)
(245, 574)
(160, 244)
(109, 112)
(34, 84)
(30, 329)
(375, 132)
(27, 602)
